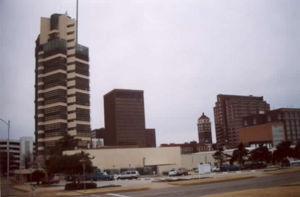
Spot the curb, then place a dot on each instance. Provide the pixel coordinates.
(105, 190)
(212, 181)
(21, 189)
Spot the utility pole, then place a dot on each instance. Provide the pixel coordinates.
(7, 177)
(83, 161)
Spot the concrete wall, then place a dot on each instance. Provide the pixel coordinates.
(115, 158)
(190, 161)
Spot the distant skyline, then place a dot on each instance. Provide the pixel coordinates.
(180, 53)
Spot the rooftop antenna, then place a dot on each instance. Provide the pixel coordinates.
(76, 22)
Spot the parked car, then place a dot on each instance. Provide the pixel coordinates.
(173, 172)
(254, 165)
(182, 171)
(294, 162)
(230, 168)
(131, 174)
(51, 180)
(196, 170)
(285, 163)
(69, 178)
(166, 172)
(178, 172)
(99, 176)
(215, 169)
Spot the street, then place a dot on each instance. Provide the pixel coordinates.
(211, 188)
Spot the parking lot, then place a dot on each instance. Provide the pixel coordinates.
(143, 180)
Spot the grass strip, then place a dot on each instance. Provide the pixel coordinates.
(283, 171)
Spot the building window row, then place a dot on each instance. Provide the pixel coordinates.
(83, 134)
(82, 69)
(54, 93)
(55, 100)
(55, 77)
(54, 133)
(50, 143)
(61, 115)
(61, 66)
(82, 83)
(55, 109)
(71, 25)
(82, 99)
(83, 128)
(55, 83)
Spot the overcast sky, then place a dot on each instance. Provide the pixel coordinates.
(182, 53)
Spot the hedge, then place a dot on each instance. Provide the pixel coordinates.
(76, 186)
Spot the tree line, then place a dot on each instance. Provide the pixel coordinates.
(261, 153)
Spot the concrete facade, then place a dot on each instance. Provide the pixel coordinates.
(62, 102)
(21, 153)
(164, 158)
(191, 161)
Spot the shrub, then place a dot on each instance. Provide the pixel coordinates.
(76, 186)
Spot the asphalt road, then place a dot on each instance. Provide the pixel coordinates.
(211, 188)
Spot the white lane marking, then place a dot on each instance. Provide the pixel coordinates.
(118, 195)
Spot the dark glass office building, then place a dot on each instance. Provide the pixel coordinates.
(125, 119)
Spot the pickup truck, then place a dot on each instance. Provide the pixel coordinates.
(178, 172)
(131, 174)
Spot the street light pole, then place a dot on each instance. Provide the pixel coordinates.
(84, 176)
(83, 168)
(7, 149)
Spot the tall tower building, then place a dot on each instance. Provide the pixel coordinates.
(204, 130)
(229, 111)
(62, 101)
(125, 119)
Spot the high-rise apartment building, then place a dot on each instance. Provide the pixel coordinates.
(125, 119)
(62, 103)
(229, 111)
(204, 130)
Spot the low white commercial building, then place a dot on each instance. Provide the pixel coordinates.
(162, 158)
(190, 161)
